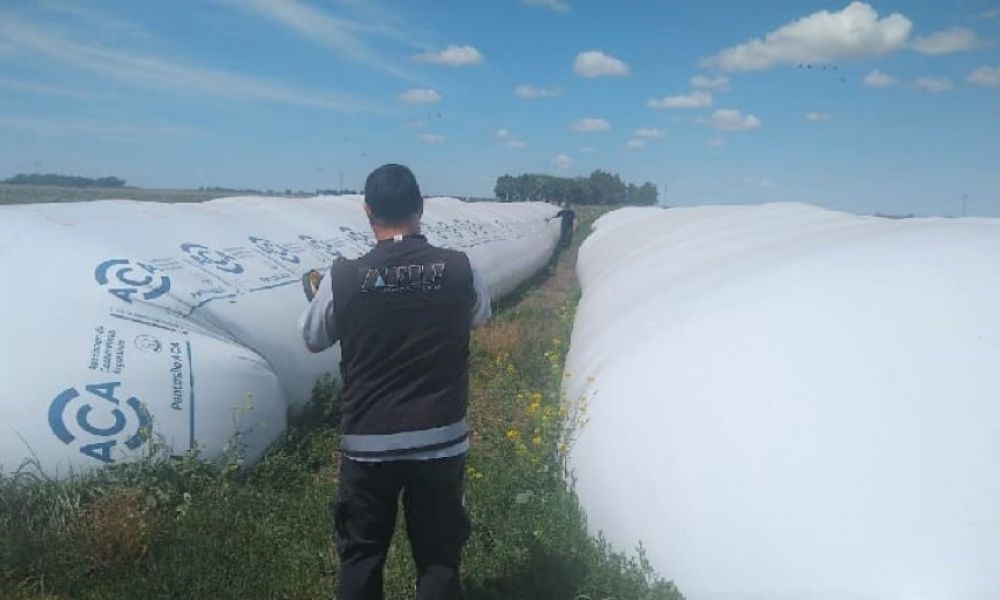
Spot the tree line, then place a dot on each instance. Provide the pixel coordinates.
(600, 187)
(55, 179)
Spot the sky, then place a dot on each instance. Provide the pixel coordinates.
(889, 107)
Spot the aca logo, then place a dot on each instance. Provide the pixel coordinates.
(206, 256)
(272, 249)
(127, 279)
(102, 434)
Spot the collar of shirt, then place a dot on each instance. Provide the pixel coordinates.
(400, 238)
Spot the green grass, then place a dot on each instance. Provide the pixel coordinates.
(182, 529)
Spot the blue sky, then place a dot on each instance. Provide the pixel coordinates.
(899, 112)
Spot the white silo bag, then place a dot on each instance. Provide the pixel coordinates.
(786, 402)
(128, 321)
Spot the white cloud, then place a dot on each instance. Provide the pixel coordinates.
(555, 5)
(930, 84)
(953, 39)
(696, 99)
(991, 13)
(431, 138)
(817, 117)
(635, 144)
(716, 84)
(420, 96)
(161, 74)
(988, 76)
(89, 129)
(588, 149)
(417, 124)
(509, 139)
(590, 124)
(649, 132)
(105, 26)
(854, 33)
(34, 87)
(728, 119)
(452, 56)
(877, 78)
(758, 181)
(563, 162)
(716, 142)
(337, 34)
(531, 91)
(595, 63)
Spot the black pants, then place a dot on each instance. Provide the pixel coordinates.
(365, 515)
(565, 237)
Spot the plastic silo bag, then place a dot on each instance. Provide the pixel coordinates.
(789, 402)
(126, 321)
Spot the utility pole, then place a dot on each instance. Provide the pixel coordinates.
(341, 188)
(965, 200)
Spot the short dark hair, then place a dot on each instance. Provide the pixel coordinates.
(392, 193)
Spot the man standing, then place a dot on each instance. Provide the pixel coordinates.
(568, 225)
(402, 313)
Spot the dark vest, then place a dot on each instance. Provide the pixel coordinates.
(403, 317)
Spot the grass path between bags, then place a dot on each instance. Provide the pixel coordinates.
(182, 529)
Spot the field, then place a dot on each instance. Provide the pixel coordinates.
(181, 529)
(34, 194)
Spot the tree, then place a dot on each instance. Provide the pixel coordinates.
(600, 187)
(55, 179)
(646, 195)
(607, 188)
(505, 189)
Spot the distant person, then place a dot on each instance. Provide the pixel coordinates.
(568, 225)
(403, 314)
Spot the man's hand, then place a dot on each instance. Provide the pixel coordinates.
(310, 283)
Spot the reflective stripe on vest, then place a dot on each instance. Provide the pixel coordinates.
(406, 441)
(448, 452)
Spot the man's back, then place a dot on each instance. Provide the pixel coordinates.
(403, 316)
(568, 216)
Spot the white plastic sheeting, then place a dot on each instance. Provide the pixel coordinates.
(788, 402)
(128, 321)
